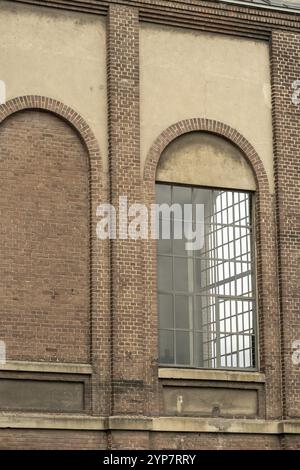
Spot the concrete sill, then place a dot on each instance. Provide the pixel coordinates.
(50, 367)
(199, 374)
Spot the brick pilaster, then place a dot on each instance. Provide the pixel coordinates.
(286, 114)
(124, 154)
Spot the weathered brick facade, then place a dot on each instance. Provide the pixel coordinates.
(285, 68)
(79, 315)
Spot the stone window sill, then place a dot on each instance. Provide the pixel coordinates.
(200, 374)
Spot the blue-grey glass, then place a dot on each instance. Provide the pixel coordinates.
(182, 195)
(179, 243)
(182, 312)
(200, 310)
(163, 193)
(164, 229)
(202, 273)
(198, 350)
(183, 348)
(165, 311)
(165, 277)
(181, 274)
(166, 347)
(164, 247)
(202, 196)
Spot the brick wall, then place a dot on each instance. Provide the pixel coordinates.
(285, 70)
(127, 288)
(67, 297)
(44, 255)
(214, 441)
(40, 439)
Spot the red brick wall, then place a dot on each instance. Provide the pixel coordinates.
(129, 440)
(41, 439)
(290, 442)
(68, 297)
(124, 157)
(285, 70)
(44, 233)
(193, 441)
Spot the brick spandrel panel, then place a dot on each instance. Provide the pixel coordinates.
(286, 113)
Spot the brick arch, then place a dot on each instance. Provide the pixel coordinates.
(61, 110)
(97, 258)
(205, 125)
(266, 267)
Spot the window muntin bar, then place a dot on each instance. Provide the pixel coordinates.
(206, 302)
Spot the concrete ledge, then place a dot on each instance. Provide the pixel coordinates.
(200, 374)
(143, 423)
(216, 425)
(52, 421)
(291, 427)
(132, 423)
(54, 367)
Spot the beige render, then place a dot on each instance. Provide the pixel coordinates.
(184, 74)
(187, 74)
(204, 159)
(62, 55)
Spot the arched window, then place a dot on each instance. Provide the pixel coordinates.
(206, 275)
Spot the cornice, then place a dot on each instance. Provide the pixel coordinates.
(97, 7)
(212, 16)
(27, 420)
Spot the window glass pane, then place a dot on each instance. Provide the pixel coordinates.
(166, 347)
(179, 243)
(164, 247)
(164, 232)
(201, 273)
(198, 350)
(179, 247)
(217, 280)
(182, 348)
(182, 308)
(204, 313)
(165, 311)
(181, 274)
(163, 193)
(182, 195)
(165, 277)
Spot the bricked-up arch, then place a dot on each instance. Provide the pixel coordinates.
(48, 157)
(266, 268)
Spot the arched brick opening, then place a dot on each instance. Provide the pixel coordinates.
(267, 296)
(75, 186)
(205, 125)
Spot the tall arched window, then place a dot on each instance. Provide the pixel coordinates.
(206, 292)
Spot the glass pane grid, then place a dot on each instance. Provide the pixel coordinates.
(213, 321)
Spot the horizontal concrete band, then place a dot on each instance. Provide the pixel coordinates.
(139, 423)
(222, 375)
(163, 373)
(50, 367)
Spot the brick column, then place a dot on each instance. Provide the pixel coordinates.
(286, 114)
(124, 153)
